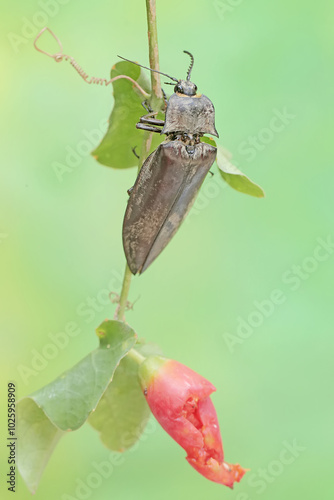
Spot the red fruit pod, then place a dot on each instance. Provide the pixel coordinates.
(179, 399)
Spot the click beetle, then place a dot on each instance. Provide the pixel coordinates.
(171, 176)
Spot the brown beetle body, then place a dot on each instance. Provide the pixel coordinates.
(191, 114)
(170, 178)
(164, 192)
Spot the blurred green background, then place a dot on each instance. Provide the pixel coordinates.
(60, 240)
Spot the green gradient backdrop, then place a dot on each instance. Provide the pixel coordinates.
(63, 242)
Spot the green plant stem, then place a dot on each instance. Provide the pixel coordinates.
(124, 293)
(153, 51)
(156, 97)
(136, 356)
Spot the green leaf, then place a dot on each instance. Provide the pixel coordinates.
(69, 399)
(231, 174)
(37, 440)
(234, 177)
(209, 140)
(122, 413)
(66, 403)
(115, 149)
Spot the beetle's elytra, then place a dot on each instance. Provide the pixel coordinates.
(171, 176)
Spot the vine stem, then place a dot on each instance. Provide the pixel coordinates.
(156, 97)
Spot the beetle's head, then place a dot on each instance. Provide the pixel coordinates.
(185, 87)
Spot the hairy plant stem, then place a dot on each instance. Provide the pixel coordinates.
(153, 51)
(155, 101)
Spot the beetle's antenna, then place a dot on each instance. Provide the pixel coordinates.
(191, 64)
(150, 69)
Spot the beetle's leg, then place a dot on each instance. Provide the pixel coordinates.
(211, 173)
(134, 152)
(147, 122)
(143, 126)
(165, 98)
(149, 118)
(146, 106)
(137, 156)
